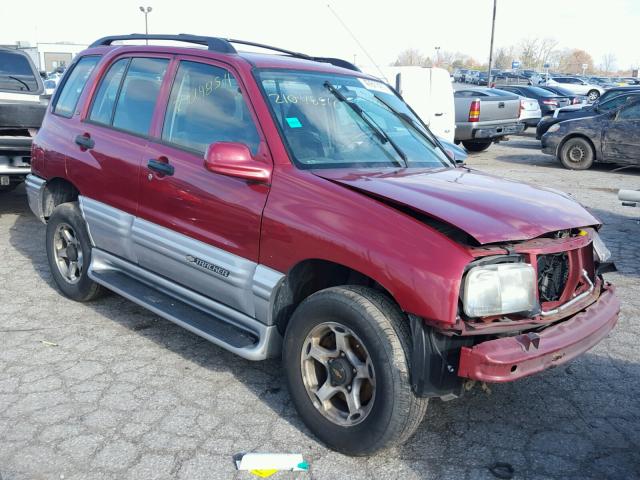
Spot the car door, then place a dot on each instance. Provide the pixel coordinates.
(111, 143)
(198, 228)
(621, 137)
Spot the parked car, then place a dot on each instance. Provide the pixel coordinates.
(430, 94)
(563, 92)
(460, 75)
(483, 78)
(612, 137)
(548, 101)
(576, 85)
(512, 78)
(614, 92)
(292, 206)
(484, 116)
(632, 80)
(597, 108)
(21, 112)
(472, 77)
(530, 113)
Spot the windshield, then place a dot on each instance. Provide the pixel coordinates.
(339, 121)
(16, 74)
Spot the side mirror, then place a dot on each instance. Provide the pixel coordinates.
(235, 160)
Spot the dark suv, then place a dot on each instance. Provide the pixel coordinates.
(287, 205)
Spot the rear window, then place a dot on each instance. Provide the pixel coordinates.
(74, 82)
(540, 92)
(469, 93)
(16, 73)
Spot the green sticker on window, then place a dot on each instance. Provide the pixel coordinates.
(293, 122)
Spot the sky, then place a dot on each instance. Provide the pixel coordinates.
(384, 28)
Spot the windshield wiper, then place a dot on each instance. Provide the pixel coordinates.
(21, 81)
(375, 128)
(407, 119)
(426, 134)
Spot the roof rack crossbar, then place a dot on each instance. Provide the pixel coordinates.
(212, 43)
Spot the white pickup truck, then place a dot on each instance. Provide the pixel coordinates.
(484, 116)
(21, 111)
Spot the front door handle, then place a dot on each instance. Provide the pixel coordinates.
(162, 168)
(85, 141)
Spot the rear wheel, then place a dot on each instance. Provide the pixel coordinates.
(69, 253)
(576, 154)
(345, 356)
(476, 145)
(593, 95)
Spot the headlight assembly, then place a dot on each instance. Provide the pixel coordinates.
(554, 128)
(498, 289)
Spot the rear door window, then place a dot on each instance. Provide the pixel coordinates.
(16, 73)
(105, 99)
(67, 99)
(138, 94)
(206, 106)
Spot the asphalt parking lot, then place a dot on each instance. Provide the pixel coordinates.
(109, 390)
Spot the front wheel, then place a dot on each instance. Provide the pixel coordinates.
(345, 355)
(476, 145)
(69, 253)
(576, 154)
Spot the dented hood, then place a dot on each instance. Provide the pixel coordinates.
(490, 209)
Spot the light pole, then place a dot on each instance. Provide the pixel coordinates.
(437, 56)
(493, 28)
(146, 12)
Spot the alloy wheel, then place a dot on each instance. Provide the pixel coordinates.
(68, 253)
(338, 374)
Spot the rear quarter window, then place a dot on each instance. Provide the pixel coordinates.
(67, 99)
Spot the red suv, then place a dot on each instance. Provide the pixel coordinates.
(291, 205)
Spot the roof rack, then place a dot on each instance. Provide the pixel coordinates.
(222, 45)
(212, 43)
(338, 62)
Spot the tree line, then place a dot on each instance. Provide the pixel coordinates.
(532, 53)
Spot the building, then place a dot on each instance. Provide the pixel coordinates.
(49, 56)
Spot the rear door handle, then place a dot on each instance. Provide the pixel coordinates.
(163, 168)
(85, 141)
(439, 114)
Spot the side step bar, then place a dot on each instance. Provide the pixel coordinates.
(221, 325)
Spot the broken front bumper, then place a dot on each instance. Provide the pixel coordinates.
(510, 358)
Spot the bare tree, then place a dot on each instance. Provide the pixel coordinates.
(608, 62)
(545, 52)
(504, 57)
(529, 52)
(411, 57)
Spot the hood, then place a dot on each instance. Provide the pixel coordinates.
(488, 208)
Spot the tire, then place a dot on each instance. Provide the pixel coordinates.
(576, 154)
(378, 331)
(476, 145)
(593, 95)
(67, 239)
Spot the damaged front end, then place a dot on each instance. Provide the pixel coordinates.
(523, 307)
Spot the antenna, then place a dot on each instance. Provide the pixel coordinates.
(357, 41)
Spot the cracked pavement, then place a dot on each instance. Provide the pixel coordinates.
(107, 390)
